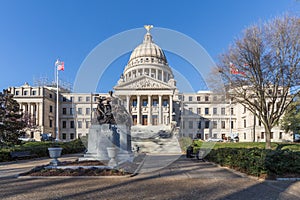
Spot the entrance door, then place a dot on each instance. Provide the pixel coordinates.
(154, 119)
(145, 120)
(134, 119)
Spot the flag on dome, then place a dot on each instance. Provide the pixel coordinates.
(60, 65)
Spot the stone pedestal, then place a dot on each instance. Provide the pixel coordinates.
(103, 136)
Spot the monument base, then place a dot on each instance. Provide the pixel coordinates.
(100, 137)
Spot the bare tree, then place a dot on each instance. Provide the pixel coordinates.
(261, 69)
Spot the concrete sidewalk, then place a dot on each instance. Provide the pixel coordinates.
(13, 168)
(182, 179)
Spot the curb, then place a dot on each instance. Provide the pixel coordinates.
(71, 177)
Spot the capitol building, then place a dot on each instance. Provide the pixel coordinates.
(148, 91)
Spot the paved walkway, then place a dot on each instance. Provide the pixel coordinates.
(182, 179)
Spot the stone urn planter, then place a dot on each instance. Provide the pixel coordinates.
(112, 154)
(54, 152)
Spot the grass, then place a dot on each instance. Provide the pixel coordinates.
(260, 145)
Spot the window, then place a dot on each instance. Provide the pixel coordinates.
(245, 109)
(190, 124)
(50, 96)
(79, 124)
(215, 98)
(155, 102)
(215, 111)
(245, 136)
(206, 98)
(64, 124)
(232, 124)
(50, 123)
(199, 125)
(87, 111)
(71, 99)
(79, 99)
(245, 123)
(223, 98)
(270, 91)
(72, 136)
(222, 111)
(87, 99)
(145, 102)
(215, 124)
(87, 124)
(190, 98)
(79, 111)
(198, 111)
(223, 124)
(198, 98)
(271, 135)
(64, 136)
(17, 93)
(71, 124)
(64, 111)
(64, 99)
(190, 111)
(280, 135)
(51, 109)
(71, 111)
(232, 111)
(279, 92)
(206, 124)
(165, 102)
(262, 135)
(134, 102)
(206, 111)
(25, 93)
(33, 92)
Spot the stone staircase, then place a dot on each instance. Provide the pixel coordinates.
(155, 140)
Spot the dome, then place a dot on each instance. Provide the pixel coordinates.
(148, 50)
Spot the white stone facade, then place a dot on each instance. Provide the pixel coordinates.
(148, 90)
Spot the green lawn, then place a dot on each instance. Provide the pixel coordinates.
(261, 145)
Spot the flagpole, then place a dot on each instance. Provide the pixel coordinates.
(57, 110)
(230, 104)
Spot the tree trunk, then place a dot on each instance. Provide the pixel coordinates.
(268, 137)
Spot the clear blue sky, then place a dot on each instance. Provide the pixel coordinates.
(33, 33)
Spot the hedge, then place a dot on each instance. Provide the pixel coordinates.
(41, 149)
(258, 162)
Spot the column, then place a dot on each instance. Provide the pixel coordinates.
(149, 111)
(156, 73)
(37, 119)
(31, 112)
(162, 75)
(138, 110)
(171, 107)
(128, 103)
(159, 109)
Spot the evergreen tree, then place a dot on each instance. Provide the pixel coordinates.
(11, 122)
(291, 119)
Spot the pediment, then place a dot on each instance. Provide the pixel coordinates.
(142, 83)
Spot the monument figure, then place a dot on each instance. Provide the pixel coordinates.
(110, 128)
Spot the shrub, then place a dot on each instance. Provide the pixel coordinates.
(41, 148)
(257, 162)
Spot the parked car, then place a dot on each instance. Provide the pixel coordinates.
(46, 137)
(26, 139)
(214, 140)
